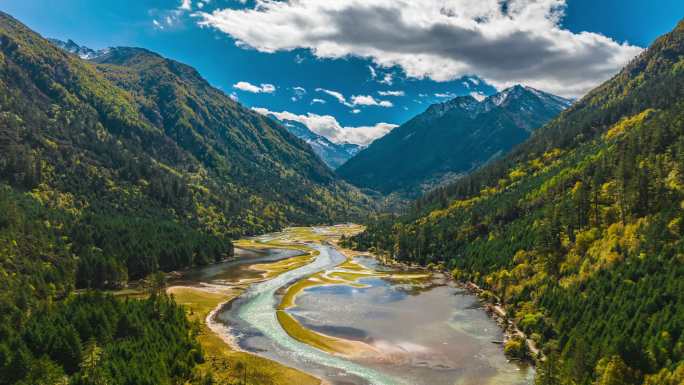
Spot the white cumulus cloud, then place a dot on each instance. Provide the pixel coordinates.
(185, 5)
(391, 93)
(298, 93)
(329, 127)
(387, 79)
(264, 88)
(367, 100)
(337, 95)
(356, 100)
(504, 43)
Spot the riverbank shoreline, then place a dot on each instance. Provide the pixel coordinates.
(204, 301)
(209, 300)
(223, 358)
(496, 310)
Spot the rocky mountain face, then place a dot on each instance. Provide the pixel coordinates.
(81, 51)
(333, 154)
(450, 139)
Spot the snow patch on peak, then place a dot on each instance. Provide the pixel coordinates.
(80, 50)
(526, 99)
(503, 96)
(526, 94)
(333, 154)
(479, 96)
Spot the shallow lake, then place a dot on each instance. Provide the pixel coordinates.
(429, 333)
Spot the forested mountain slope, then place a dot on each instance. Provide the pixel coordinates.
(266, 176)
(143, 148)
(450, 139)
(578, 231)
(112, 171)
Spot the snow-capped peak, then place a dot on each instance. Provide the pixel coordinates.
(82, 51)
(523, 97)
(333, 154)
(503, 96)
(522, 93)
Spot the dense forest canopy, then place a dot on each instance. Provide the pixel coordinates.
(115, 170)
(49, 335)
(578, 232)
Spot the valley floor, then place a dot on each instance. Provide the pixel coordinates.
(223, 359)
(215, 297)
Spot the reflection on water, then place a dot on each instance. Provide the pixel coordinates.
(429, 333)
(252, 319)
(436, 335)
(237, 268)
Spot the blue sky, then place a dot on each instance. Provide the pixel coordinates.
(385, 61)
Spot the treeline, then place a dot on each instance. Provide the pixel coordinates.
(109, 248)
(578, 232)
(93, 339)
(129, 247)
(49, 335)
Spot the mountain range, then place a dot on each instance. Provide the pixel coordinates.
(524, 109)
(116, 166)
(451, 139)
(81, 51)
(333, 154)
